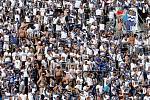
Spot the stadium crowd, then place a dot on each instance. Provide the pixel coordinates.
(74, 50)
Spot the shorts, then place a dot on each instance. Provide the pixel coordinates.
(39, 63)
(58, 79)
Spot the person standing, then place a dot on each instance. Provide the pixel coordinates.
(22, 96)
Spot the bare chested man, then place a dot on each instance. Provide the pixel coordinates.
(65, 80)
(58, 74)
(42, 82)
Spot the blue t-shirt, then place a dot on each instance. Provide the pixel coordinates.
(125, 17)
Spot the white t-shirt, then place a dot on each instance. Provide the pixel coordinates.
(54, 96)
(133, 66)
(147, 66)
(78, 87)
(99, 12)
(85, 67)
(55, 20)
(148, 20)
(89, 51)
(23, 96)
(94, 41)
(29, 31)
(34, 11)
(111, 15)
(79, 79)
(49, 57)
(31, 56)
(6, 38)
(7, 59)
(58, 27)
(83, 97)
(89, 81)
(119, 57)
(45, 50)
(96, 51)
(44, 63)
(91, 20)
(14, 54)
(63, 35)
(3, 73)
(36, 26)
(64, 55)
(17, 17)
(7, 54)
(26, 49)
(100, 88)
(105, 80)
(1, 30)
(62, 20)
(85, 93)
(81, 11)
(27, 18)
(18, 10)
(45, 20)
(30, 96)
(106, 97)
(17, 64)
(27, 64)
(124, 41)
(12, 3)
(91, 6)
(146, 97)
(20, 3)
(77, 4)
(42, 11)
(23, 56)
(58, 5)
(25, 73)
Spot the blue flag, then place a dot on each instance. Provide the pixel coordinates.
(125, 17)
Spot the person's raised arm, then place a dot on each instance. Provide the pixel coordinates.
(39, 80)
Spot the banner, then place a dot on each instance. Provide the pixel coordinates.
(119, 11)
(129, 17)
(132, 20)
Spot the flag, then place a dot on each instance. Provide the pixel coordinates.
(119, 11)
(125, 17)
(133, 18)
